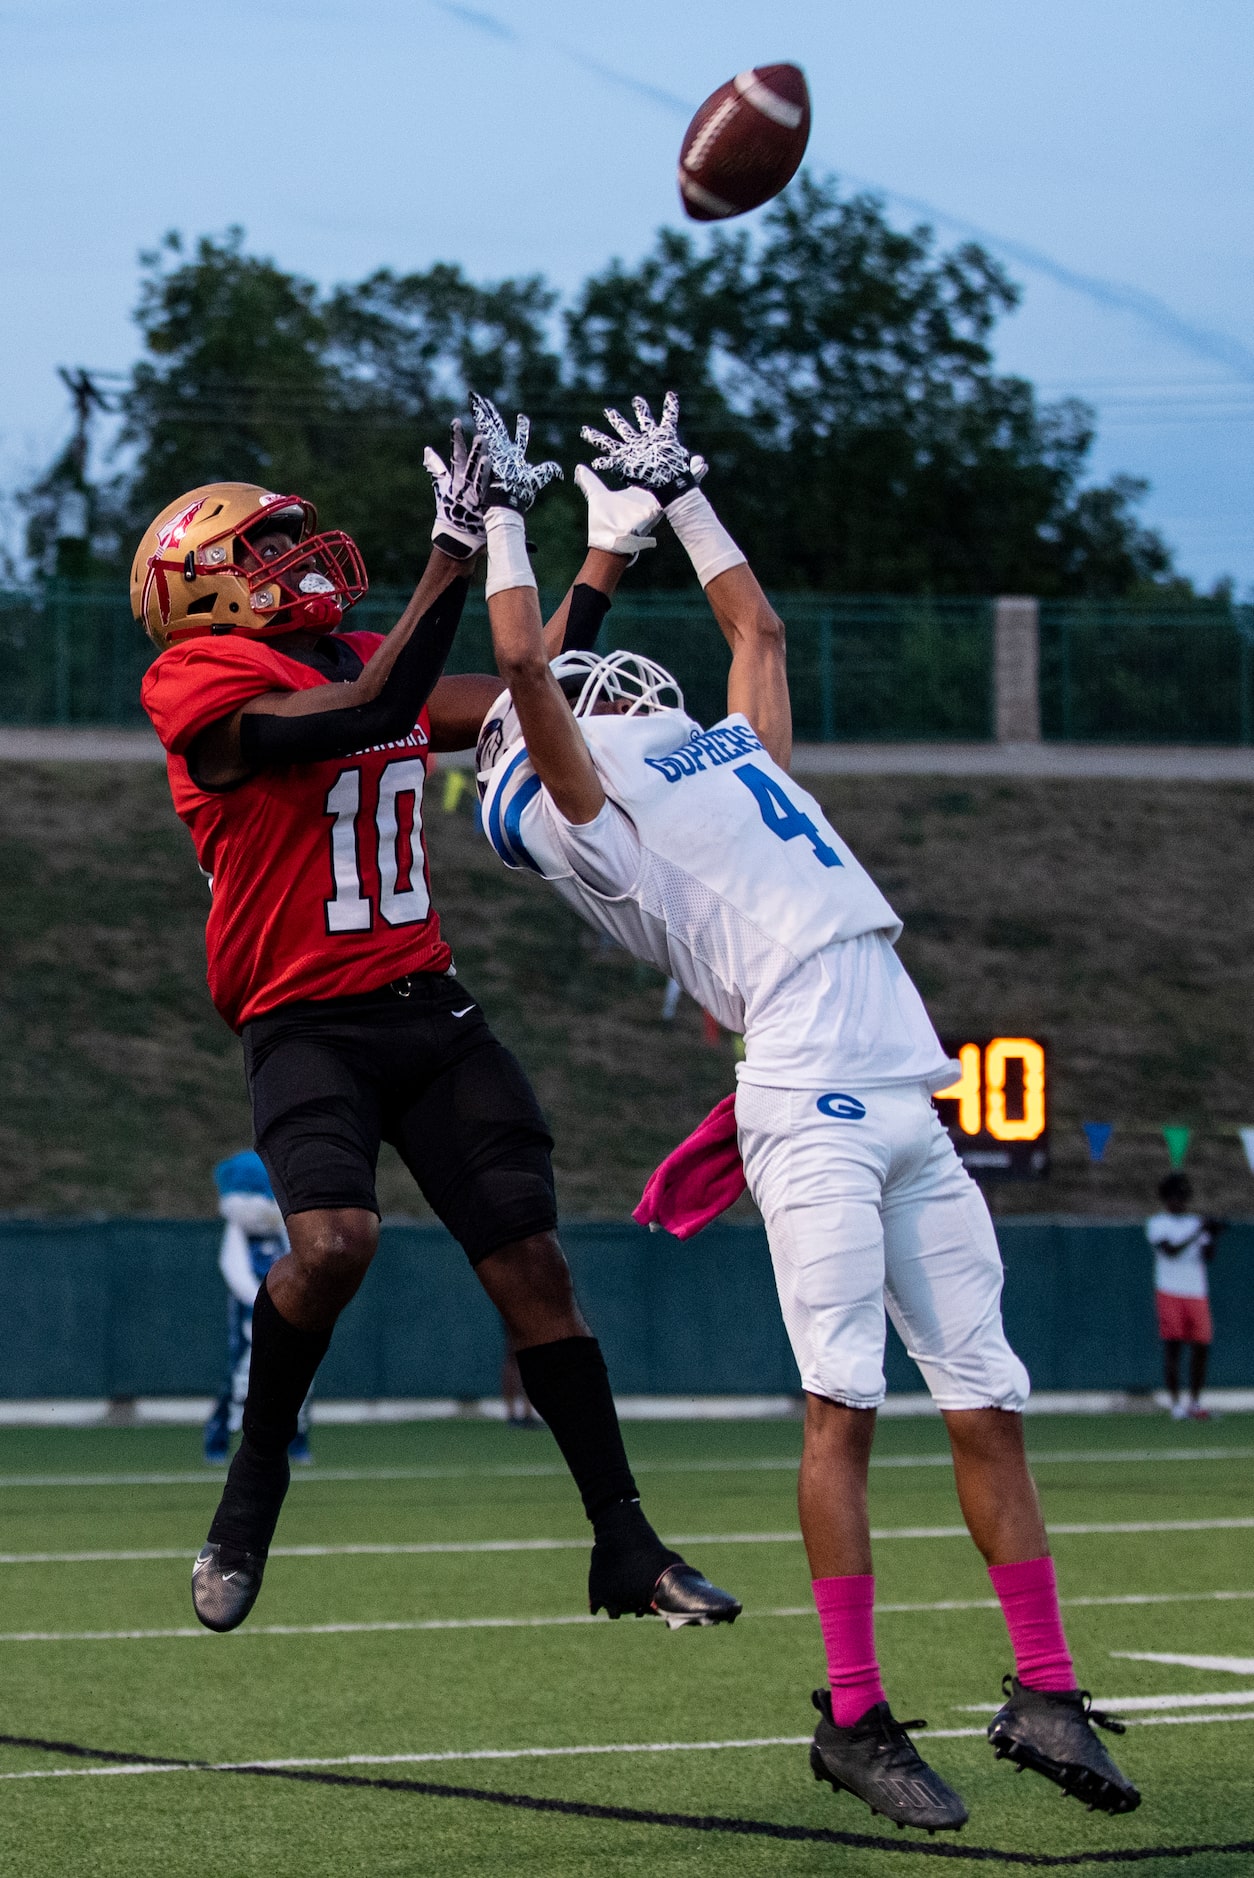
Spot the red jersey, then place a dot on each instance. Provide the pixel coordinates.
(319, 871)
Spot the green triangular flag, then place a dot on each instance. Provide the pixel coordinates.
(1177, 1140)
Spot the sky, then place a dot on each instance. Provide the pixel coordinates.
(1102, 148)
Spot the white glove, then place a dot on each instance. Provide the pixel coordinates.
(458, 527)
(514, 483)
(619, 520)
(651, 454)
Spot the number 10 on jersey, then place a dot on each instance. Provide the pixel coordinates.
(403, 896)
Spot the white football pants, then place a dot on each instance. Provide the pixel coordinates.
(866, 1204)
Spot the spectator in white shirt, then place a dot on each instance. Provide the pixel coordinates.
(1184, 1245)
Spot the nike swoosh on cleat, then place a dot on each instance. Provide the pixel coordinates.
(469, 1007)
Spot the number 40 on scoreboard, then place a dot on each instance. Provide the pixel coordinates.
(997, 1112)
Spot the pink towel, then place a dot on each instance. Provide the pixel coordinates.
(699, 1179)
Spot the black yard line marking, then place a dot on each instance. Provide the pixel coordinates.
(642, 1816)
(78, 1752)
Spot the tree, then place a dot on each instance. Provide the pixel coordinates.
(837, 372)
(252, 375)
(841, 372)
(236, 386)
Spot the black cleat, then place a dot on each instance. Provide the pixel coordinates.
(225, 1584)
(634, 1574)
(1051, 1732)
(876, 1761)
(226, 1578)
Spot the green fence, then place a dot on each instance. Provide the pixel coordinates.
(128, 1307)
(70, 654)
(1132, 674)
(862, 669)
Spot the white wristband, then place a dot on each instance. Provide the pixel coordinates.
(710, 548)
(508, 565)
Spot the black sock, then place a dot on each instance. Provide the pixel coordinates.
(282, 1368)
(570, 1387)
(252, 1499)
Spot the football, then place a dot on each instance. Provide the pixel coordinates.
(745, 143)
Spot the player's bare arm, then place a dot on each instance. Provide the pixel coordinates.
(617, 533)
(757, 684)
(651, 455)
(459, 704)
(457, 707)
(556, 747)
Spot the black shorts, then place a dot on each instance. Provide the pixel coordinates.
(330, 1079)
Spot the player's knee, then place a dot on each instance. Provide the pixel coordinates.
(529, 1281)
(332, 1250)
(837, 1428)
(538, 1265)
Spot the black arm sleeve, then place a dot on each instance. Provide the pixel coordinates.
(268, 742)
(588, 608)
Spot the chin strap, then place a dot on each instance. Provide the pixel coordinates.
(316, 612)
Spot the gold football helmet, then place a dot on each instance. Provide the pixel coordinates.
(196, 570)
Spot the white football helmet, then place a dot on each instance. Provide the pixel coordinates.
(621, 679)
(618, 678)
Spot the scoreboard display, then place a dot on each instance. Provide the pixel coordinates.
(997, 1113)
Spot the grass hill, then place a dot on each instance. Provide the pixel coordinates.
(1113, 919)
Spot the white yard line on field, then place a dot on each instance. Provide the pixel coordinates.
(383, 1626)
(1233, 1665)
(206, 1476)
(524, 1754)
(1126, 1704)
(435, 1548)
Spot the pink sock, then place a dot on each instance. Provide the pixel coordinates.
(1029, 1601)
(846, 1608)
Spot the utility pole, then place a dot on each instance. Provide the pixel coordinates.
(86, 396)
(73, 521)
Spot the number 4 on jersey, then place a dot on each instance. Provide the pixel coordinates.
(781, 814)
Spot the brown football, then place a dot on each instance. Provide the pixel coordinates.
(745, 143)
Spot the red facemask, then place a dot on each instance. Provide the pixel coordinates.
(309, 588)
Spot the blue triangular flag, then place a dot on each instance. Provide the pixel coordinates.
(1097, 1134)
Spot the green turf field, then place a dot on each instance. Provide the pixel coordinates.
(392, 1656)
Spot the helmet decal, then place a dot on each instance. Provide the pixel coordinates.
(172, 534)
(168, 537)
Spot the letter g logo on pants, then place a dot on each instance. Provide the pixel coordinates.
(841, 1108)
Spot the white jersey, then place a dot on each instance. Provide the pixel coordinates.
(1180, 1272)
(711, 864)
